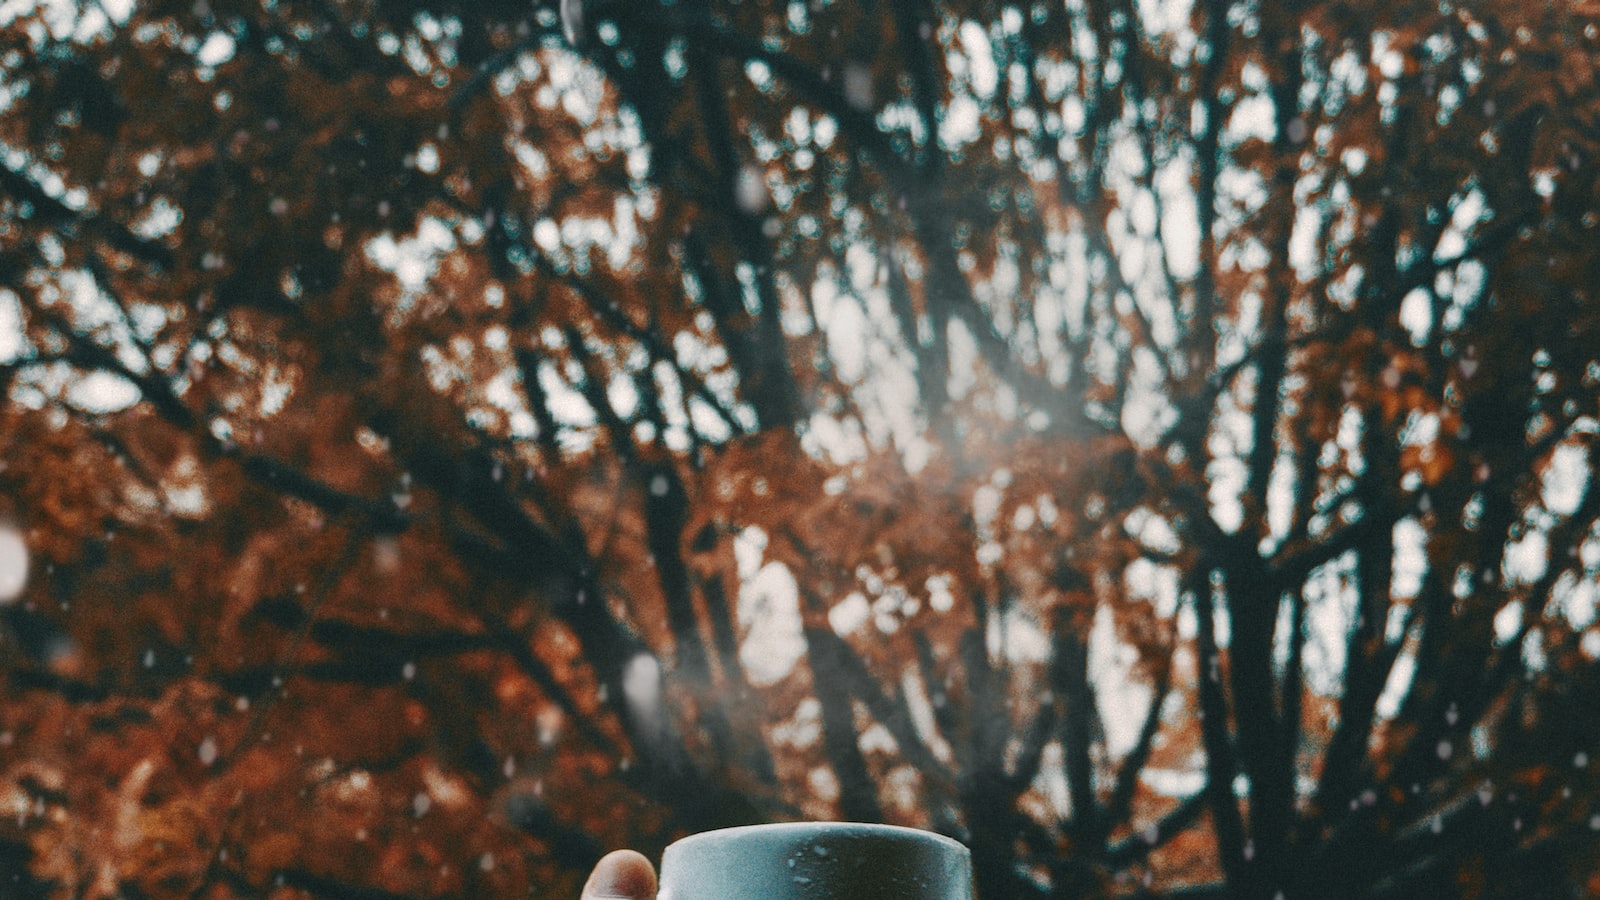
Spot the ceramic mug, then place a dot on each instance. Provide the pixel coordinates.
(816, 861)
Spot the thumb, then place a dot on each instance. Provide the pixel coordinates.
(621, 875)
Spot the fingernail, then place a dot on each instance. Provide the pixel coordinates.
(622, 875)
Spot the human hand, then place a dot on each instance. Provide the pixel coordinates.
(621, 875)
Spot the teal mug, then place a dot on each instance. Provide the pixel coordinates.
(816, 861)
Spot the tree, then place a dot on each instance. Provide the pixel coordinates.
(1151, 443)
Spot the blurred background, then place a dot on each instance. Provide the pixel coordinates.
(1150, 441)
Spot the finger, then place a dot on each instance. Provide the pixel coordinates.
(623, 875)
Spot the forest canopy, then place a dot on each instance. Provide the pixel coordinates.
(1150, 441)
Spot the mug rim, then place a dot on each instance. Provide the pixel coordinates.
(864, 829)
